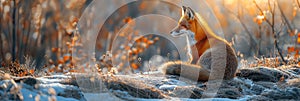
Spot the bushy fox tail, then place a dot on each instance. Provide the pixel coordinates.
(186, 70)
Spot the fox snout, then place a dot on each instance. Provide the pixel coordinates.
(176, 32)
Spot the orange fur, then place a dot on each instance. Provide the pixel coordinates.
(194, 26)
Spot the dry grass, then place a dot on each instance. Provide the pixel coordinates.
(292, 62)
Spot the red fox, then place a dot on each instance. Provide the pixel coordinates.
(196, 28)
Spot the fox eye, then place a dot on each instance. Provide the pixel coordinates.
(185, 26)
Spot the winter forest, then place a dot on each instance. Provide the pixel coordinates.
(94, 50)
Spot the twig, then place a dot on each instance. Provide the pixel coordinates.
(272, 24)
(243, 25)
(28, 34)
(14, 32)
(275, 35)
(21, 52)
(261, 11)
(1, 47)
(285, 19)
(18, 40)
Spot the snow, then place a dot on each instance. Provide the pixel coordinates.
(53, 79)
(167, 87)
(250, 89)
(100, 96)
(187, 99)
(30, 95)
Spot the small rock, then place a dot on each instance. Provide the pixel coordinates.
(51, 91)
(257, 89)
(232, 93)
(71, 93)
(265, 84)
(296, 71)
(30, 81)
(6, 76)
(261, 74)
(287, 94)
(187, 92)
(294, 82)
(37, 97)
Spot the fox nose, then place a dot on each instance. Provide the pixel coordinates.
(174, 32)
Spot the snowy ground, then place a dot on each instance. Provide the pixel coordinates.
(250, 84)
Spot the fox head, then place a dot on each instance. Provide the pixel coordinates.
(188, 24)
(185, 23)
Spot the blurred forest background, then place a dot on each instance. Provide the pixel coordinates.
(38, 35)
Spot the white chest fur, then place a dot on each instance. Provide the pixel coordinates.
(190, 40)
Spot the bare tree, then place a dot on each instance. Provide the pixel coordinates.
(272, 25)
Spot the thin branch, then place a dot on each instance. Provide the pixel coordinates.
(21, 50)
(261, 11)
(28, 33)
(243, 25)
(285, 18)
(1, 47)
(9, 32)
(275, 35)
(14, 32)
(272, 26)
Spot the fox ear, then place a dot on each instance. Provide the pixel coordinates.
(183, 11)
(187, 11)
(190, 13)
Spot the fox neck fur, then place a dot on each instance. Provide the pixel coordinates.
(203, 33)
